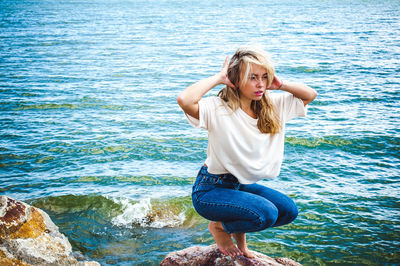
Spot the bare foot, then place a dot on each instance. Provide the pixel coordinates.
(223, 239)
(240, 239)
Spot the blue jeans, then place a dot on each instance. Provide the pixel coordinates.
(240, 208)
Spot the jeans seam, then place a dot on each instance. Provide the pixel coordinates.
(233, 206)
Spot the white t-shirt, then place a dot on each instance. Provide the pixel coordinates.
(236, 145)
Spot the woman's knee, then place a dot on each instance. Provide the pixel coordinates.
(292, 212)
(288, 213)
(286, 206)
(268, 218)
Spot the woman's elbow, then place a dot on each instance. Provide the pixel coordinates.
(312, 96)
(180, 100)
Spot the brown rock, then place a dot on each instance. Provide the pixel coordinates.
(8, 259)
(32, 228)
(211, 255)
(13, 215)
(29, 237)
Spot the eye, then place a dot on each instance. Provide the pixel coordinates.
(265, 77)
(252, 77)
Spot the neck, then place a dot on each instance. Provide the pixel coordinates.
(245, 104)
(246, 107)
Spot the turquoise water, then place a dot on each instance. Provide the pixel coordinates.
(91, 132)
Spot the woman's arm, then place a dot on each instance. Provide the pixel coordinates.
(189, 99)
(302, 91)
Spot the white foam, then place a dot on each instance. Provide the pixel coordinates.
(142, 214)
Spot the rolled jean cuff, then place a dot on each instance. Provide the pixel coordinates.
(226, 229)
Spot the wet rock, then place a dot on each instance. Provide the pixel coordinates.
(29, 237)
(211, 255)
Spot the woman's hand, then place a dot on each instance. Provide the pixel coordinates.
(302, 91)
(189, 99)
(224, 74)
(276, 83)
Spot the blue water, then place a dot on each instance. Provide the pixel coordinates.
(91, 132)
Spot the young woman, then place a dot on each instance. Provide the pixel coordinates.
(246, 126)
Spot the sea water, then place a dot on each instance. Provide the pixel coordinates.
(91, 132)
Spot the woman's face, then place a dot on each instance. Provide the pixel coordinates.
(256, 84)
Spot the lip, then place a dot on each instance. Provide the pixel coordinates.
(259, 93)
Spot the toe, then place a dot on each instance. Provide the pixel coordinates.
(223, 251)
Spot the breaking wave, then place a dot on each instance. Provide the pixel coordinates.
(124, 212)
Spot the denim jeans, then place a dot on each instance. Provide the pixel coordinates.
(240, 208)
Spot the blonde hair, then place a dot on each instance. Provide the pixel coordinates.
(238, 71)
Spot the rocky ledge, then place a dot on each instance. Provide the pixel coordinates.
(211, 256)
(29, 237)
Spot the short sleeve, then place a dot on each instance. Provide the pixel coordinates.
(289, 106)
(206, 105)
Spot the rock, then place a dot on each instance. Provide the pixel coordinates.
(29, 237)
(211, 255)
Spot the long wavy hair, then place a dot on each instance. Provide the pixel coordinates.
(238, 71)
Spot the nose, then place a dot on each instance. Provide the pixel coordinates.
(260, 83)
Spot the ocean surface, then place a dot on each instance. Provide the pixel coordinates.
(90, 130)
